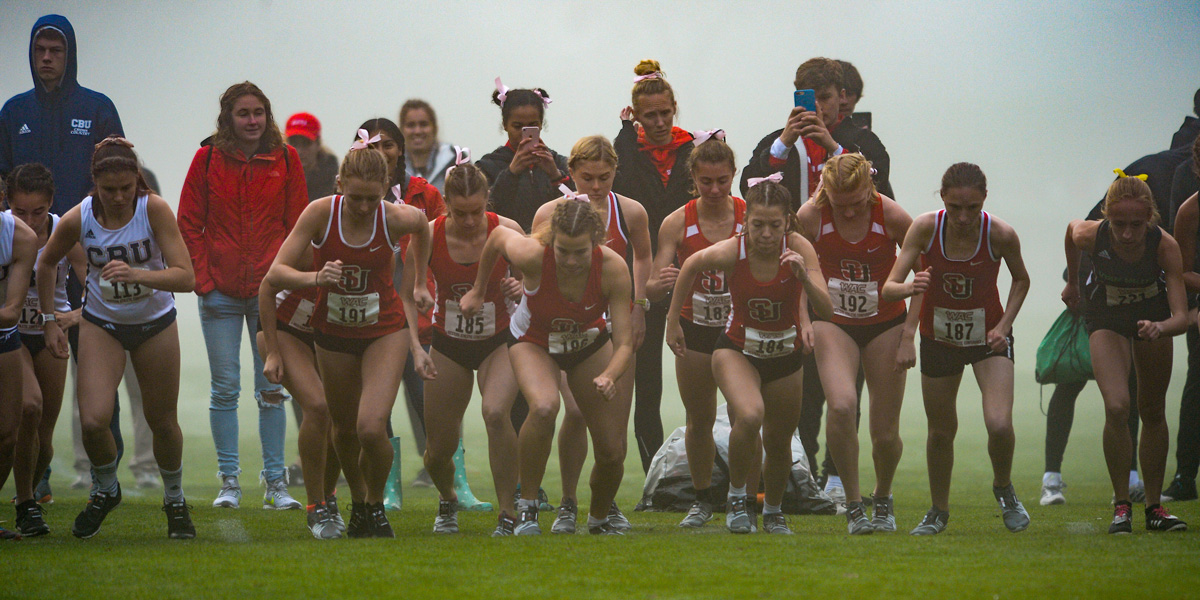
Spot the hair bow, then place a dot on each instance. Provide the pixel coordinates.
(569, 195)
(699, 137)
(776, 177)
(1121, 174)
(364, 140)
(654, 75)
(462, 156)
(503, 89)
(114, 139)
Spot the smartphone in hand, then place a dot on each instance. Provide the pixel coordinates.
(806, 99)
(532, 133)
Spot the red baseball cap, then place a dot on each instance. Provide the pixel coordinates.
(304, 124)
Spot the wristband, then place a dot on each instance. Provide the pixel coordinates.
(48, 318)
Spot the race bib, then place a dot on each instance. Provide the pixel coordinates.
(31, 314)
(479, 327)
(358, 310)
(566, 342)
(769, 344)
(302, 318)
(122, 292)
(1120, 296)
(959, 327)
(711, 310)
(854, 299)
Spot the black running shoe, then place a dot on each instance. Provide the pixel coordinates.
(379, 522)
(360, 521)
(1159, 519)
(505, 526)
(29, 519)
(179, 522)
(605, 528)
(9, 535)
(1180, 490)
(99, 505)
(1122, 519)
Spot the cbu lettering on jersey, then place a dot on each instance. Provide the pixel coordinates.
(765, 318)
(30, 322)
(133, 244)
(549, 320)
(856, 271)
(963, 302)
(710, 303)
(455, 279)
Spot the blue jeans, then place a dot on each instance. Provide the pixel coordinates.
(221, 320)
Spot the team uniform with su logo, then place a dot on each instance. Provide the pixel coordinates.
(705, 313)
(961, 305)
(466, 340)
(293, 314)
(765, 320)
(569, 331)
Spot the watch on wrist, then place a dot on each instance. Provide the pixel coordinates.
(644, 303)
(48, 318)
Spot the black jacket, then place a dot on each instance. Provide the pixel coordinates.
(760, 166)
(638, 178)
(855, 138)
(1160, 167)
(1187, 132)
(518, 197)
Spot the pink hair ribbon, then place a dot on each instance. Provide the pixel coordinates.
(569, 195)
(462, 156)
(364, 140)
(654, 75)
(699, 137)
(503, 89)
(776, 177)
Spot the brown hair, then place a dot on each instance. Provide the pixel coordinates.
(115, 154)
(572, 218)
(647, 87)
(767, 194)
(419, 104)
(1130, 188)
(712, 151)
(845, 173)
(964, 174)
(30, 178)
(851, 79)
(367, 164)
(225, 138)
(819, 73)
(465, 180)
(592, 147)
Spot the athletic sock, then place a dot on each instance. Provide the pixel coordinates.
(1134, 479)
(594, 522)
(772, 509)
(1052, 478)
(834, 481)
(106, 477)
(735, 492)
(172, 484)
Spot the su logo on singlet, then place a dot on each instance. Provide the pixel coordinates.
(713, 282)
(852, 270)
(763, 310)
(354, 279)
(563, 326)
(957, 285)
(460, 289)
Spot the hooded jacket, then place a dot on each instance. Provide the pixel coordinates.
(519, 196)
(59, 129)
(435, 171)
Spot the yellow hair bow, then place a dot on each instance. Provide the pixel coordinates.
(1122, 175)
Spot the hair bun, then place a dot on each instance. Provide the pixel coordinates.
(647, 67)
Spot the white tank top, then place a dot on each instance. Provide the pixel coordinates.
(134, 244)
(8, 229)
(31, 313)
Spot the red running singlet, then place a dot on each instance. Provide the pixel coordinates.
(962, 303)
(455, 279)
(363, 304)
(765, 318)
(710, 302)
(856, 271)
(560, 326)
(295, 307)
(616, 233)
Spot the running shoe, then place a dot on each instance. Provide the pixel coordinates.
(147, 480)
(737, 517)
(605, 528)
(1052, 494)
(568, 516)
(29, 519)
(933, 523)
(360, 523)
(230, 495)
(884, 517)
(857, 522)
(422, 480)
(836, 493)
(179, 522)
(617, 519)
(332, 506)
(98, 506)
(700, 513)
(543, 499)
(447, 517)
(1180, 490)
(505, 526)
(322, 525)
(42, 491)
(1122, 519)
(775, 523)
(278, 498)
(1137, 492)
(527, 522)
(1011, 509)
(1158, 519)
(378, 521)
(9, 535)
(82, 481)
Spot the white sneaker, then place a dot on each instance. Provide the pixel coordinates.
(278, 498)
(230, 495)
(836, 493)
(1052, 494)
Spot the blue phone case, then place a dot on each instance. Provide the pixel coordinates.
(806, 99)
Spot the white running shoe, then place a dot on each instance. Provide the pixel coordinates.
(278, 498)
(230, 495)
(836, 493)
(1052, 494)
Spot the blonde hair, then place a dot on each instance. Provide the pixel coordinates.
(571, 218)
(648, 87)
(367, 164)
(592, 147)
(845, 173)
(1130, 188)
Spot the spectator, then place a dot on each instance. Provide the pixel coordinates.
(424, 156)
(855, 133)
(320, 166)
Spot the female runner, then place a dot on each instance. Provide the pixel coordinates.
(963, 323)
(30, 194)
(855, 231)
(359, 318)
(1135, 304)
(592, 165)
(714, 215)
(18, 252)
(772, 272)
(137, 260)
(570, 280)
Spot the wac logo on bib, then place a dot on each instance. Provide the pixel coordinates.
(957, 285)
(354, 279)
(852, 270)
(763, 310)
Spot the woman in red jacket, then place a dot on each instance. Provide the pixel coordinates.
(243, 194)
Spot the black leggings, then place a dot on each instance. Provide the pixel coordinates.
(647, 382)
(1187, 452)
(1061, 414)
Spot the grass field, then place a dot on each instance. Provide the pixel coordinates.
(257, 553)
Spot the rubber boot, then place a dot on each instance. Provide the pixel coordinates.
(393, 496)
(466, 499)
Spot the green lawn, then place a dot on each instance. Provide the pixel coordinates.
(256, 553)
